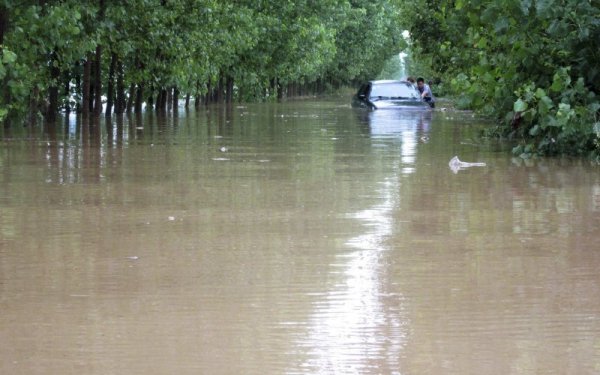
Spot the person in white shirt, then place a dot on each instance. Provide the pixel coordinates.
(425, 91)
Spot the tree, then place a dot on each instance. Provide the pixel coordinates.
(531, 64)
(160, 49)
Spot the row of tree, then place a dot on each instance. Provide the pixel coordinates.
(532, 64)
(113, 56)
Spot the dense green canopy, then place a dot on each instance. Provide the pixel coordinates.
(533, 64)
(72, 54)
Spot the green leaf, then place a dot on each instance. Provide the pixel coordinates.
(520, 106)
(501, 25)
(545, 105)
(8, 57)
(564, 107)
(482, 43)
(525, 4)
(517, 150)
(540, 93)
(535, 130)
(543, 6)
(557, 85)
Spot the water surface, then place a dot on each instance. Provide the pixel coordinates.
(295, 238)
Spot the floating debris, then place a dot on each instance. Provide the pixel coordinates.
(223, 149)
(456, 165)
(171, 218)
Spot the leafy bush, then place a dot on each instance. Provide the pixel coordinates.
(533, 65)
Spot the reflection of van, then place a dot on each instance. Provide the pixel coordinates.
(388, 94)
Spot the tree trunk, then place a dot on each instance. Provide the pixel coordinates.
(221, 90)
(169, 99)
(85, 94)
(150, 101)
(175, 100)
(77, 86)
(187, 101)
(272, 87)
(163, 101)
(110, 89)
(229, 89)
(121, 101)
(3, 24)
(92, 95)
(67, 92)
(278, 89)
(52, 108)
(98, 67)
(98, 81)
(158, 100)
(33, 105)
(139, 98)
(130, 98)
(197, 96)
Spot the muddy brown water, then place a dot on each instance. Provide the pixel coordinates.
(296, 238)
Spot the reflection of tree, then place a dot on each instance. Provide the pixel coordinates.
(502, 261)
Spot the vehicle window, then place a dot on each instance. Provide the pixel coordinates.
(394, 90)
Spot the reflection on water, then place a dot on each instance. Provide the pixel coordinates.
(408, 127)
(299, 238)
(359, 326)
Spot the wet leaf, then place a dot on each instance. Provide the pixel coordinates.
(520, 106)
(8, 57)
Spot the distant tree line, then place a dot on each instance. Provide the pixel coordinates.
(112, 56)
(532, 64)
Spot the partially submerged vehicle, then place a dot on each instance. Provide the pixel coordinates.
(389, 94)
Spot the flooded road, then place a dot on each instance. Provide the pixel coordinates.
(296, 238)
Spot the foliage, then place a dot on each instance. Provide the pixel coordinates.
(531, 64)
(392, 69)
(194, 46)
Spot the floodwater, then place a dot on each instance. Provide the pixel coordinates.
(297, 238)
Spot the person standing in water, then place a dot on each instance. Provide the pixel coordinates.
(425, 91)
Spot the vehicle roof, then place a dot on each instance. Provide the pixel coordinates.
(384, 81)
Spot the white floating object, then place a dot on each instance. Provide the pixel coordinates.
(223, 149)
(171, 218)
(456, 165)
(135, 257)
